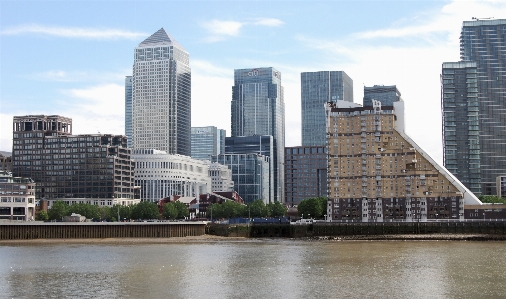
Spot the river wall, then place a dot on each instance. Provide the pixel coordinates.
(61, 230)
(496, 230)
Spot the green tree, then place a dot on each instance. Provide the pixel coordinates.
(145, 210)
(84, 209)
(313, 207)
(276, 209)
(228, 209)
(182, 210)
(491, 199)
(42, 216)
(58, 210)
(170, 211)
(121, 210)
(257, 208)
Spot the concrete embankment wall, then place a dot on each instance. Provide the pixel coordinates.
(24, 231)
(355, 229)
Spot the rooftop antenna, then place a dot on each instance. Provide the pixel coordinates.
(477, 19)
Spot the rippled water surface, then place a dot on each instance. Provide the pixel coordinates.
(255, 269)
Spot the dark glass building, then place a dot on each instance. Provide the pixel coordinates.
(305, 173)
(258, 108)
(207, 141)
(484, 42)
(385, 94)
(318, 88)
(66, 166)
(461, 130)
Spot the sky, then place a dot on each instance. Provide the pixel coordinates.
(70, 58)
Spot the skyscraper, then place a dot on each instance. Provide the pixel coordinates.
(207, 141)
(483, 41)
(318, 88)
(161, 95)
(258, 108)
(385, 94)
(461, 130)
(128, 109)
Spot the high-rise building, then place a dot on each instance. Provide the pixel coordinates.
(95, 168)
(377, 173)
(483, 41)
(250, 173)
(258, 108)
(128, 109)
(305, 173)
(318, 88)
(161, 95)
(461, 128)
(385, 94)
(258, 144)
(207, 141)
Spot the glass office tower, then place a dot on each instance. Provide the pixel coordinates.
(207, 141)
(387, 95)
(258, 108)
(461, 139)
(484, 42)
(161, 95)
(318, 88)
(128, 109)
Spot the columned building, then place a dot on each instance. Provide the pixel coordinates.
(318, 88)
(258, 108)
(376, 173)
(161, 175)
(161, 95)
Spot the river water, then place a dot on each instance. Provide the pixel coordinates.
(278, 268)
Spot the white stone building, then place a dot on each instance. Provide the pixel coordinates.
(17, 197)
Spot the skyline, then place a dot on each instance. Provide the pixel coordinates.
(71, 58)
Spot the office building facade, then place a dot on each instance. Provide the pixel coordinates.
(305, 173)
(318, 88)
(17, 197)
(71, 167)
(377, 173)
(161, 95)
(387, 95)
(207, 141)
(128, 109)
(161, 175)
(461, 128)
(482, 41)
(250, 173)
(258, 108)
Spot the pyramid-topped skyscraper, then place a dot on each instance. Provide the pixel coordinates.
(161, 95)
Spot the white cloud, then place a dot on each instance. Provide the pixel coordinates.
(72, 32)
(271, 22)
(77, 76)
(220, 30)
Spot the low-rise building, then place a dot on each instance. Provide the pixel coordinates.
(17, 197)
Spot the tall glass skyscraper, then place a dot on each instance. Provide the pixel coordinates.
(161, 95)
(484, 42)
(318, 88)
(258, 108)
(461, 130)
(128, 109)
(207, 141)
(387, 95)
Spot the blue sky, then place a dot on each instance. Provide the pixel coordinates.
(70, 57)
